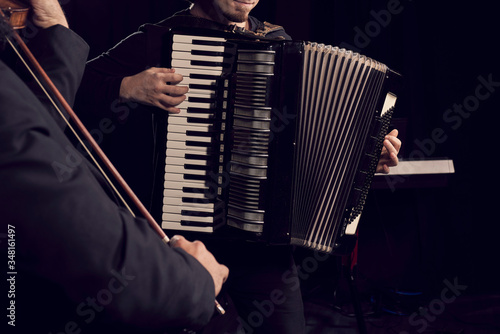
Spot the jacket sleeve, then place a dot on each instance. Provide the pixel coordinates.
(98, 95)
(58, 49)
(71, 234)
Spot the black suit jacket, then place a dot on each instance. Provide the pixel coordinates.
(82, 264)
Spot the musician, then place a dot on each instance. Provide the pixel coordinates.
(75, 261)
(128, 86)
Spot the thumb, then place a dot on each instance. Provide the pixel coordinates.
(176, 241)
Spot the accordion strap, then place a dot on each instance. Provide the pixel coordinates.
(267, 28)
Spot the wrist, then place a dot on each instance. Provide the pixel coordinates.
(44, 24)
(124, 94)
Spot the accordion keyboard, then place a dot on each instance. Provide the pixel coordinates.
(191, 182)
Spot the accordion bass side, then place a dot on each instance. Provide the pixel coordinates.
(277, 141)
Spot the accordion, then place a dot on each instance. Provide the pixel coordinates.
(277, 141)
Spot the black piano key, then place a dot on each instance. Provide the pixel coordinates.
(208, 64)
(207, 42)
(198, 143)
(197, 213)
(197, 120)
(207, 53)
(195, 75)
(194, 133)
(200, 157)
(201, 99)
(195, 223)
(195, 110)
(195, 167)
(202, 87)
(206, 192)
(198, 200)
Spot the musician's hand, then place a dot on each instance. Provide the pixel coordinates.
(198, 250)
(155, 87)
(48, 13)
(389, 155)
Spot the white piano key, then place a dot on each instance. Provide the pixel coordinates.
(180, 125)
(178, 63)
(200, 184)
(179, 208)
(170, 160)
(206, 94)
(177, 226)
(183, 121)
(176, 136)
(196, 113)
(188, 56)
(170, 177)
(188, 104)
(191, 114)
(198, 47)
(185, 112)
(178, 193)
(191, 81)
(181, 161)
(182, 145)
(176, 153)
(178, 38)
(184, 137)
(186, 205)
(186, 72)
(172, 165)
(185, 171)
(177, 217)
(173, 177)
(177, 178)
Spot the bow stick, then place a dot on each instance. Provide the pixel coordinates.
(50, 85)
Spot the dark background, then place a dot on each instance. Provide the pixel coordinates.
(414, 237)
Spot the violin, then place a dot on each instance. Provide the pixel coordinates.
(15, 12)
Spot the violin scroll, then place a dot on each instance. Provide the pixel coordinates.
(15, 12)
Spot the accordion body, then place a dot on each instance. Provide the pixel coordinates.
(277, 141)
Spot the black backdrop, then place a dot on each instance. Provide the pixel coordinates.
(446, 50)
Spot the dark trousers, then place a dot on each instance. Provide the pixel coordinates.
(262, 294)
